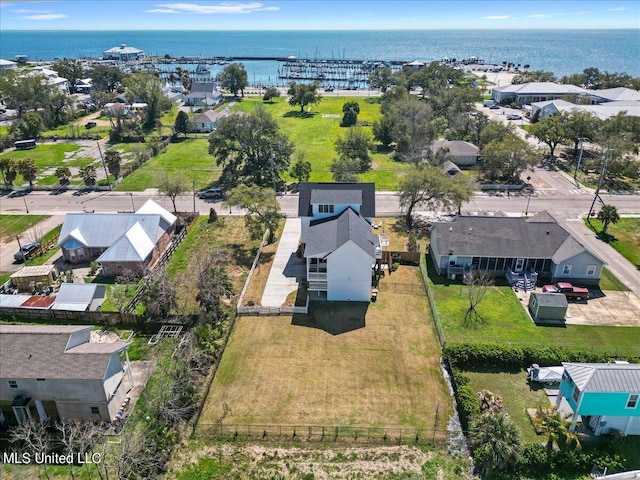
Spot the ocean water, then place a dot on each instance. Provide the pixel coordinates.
(560, 51)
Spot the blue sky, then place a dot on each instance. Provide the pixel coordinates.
(315, 15)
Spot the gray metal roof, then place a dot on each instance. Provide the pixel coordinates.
(327, 235)
(506, 237)
(28, 351)
(368, 192)
(456, 147)
(77, 296)
(550, 299)
(336, 197)
(604, 377)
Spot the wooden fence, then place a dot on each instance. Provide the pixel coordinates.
(257, 310)
(68, 316)
(432, 303)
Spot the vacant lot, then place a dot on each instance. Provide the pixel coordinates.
(624, 237)
(189, 158)
(12, 225)
(345, 364)
(316, 131)
(506, 321)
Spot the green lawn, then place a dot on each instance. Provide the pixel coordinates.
(315, 132)
(12, 225)
(507, 322)
(517, 395)
(189, 157)
(624, 237)
(46, 156)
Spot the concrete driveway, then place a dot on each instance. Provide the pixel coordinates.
(287, 269)
(621, 309)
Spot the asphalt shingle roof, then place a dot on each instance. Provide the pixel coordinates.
(338, 193)
(28, 351)
(327, 235)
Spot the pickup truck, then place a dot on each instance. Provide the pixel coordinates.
(568, 290)
(25, 252)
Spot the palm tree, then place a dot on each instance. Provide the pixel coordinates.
(495, 441)
(557, 427)
(608, 214)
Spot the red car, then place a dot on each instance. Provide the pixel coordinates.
(576, 293)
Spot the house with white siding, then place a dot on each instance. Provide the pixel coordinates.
(338, 243)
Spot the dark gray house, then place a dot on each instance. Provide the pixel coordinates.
(520, 249)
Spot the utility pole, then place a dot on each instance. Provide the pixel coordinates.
(104, 166)
(575, 174)
(20, 250)
(194, 198)
(273, 175)
(602, 173)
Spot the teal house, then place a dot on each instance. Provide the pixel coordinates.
(605, 395)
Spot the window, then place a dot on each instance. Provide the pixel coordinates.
(591, 270)
(566, 270)
(576, 394)
(95, 411)
(13, 384)
(633, 400)
(325, 208)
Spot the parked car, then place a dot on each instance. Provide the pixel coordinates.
(90, 125)
(26, 251)
(513, 116)
(215, 192)
(494, 107)
(568, 290)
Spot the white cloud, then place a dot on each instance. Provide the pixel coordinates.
(222, 8)
(617, 9)
(46, 16)
(538, 15)
(496, 17)
(26, 10)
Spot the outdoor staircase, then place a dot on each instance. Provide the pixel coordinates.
(525, 281)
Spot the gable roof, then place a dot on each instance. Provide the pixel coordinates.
(202, 87)
(77, 296)
(152, 207)
(28, 351)
(329, 234)
(208, 116)
(507, 237)
(336, 194)
(604, 377)
(534, 88)
(133, 246)
(456, 147)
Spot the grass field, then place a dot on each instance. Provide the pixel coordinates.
(507, 322)
(625, 237)
(346, 364)
(315, 132)
(12, 225)
(229, 237)
(189, 158)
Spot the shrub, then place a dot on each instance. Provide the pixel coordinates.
(492, 355)
(468, 405)
(93, 268)
(213, 215)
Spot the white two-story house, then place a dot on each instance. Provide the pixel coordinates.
(338, 244)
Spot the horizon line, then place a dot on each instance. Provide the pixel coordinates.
(306, 29)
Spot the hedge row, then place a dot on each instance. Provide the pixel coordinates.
(468, 405)
(493, 355)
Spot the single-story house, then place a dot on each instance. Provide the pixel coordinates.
(605, 395)
(202, 87)
(117, 241)
(57, 372)
(527, 93)
(206, 121)
(521, 249)
(79, 297)
(34, 277)
(123, 53)
(459, 152)
(7, 65)
(338, 243)
(548, 306)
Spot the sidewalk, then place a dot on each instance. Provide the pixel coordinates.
(287, 269)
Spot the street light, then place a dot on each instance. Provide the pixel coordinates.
(133, 207)
(25, 203)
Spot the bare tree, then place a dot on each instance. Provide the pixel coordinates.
(159, 296)
(137, 456)
(478, 284)
(34, 439)
(214, 284)
(172, 186)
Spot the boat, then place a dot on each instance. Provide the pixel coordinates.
(547, 375)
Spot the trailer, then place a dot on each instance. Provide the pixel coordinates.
(546, 375)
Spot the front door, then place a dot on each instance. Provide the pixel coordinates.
(519, 265)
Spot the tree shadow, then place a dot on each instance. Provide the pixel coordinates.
(298, 114)
(606, 237)
(334, 318)
(384, 150)
(242, 255)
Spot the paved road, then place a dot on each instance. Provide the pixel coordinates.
(555, 194)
